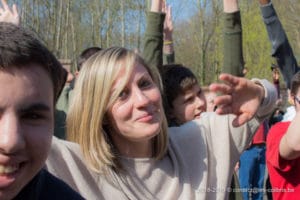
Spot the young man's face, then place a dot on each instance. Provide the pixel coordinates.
(189, 106)
(26, 126)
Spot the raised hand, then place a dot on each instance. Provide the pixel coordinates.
(238, 96)
(168, 24)
(157, 5)
(230, 6)
(9, 15)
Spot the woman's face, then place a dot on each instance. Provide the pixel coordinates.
(136, 115)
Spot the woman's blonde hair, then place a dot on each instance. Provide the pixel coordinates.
(93, 96)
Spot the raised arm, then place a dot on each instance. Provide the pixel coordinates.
(289, 147)
(9, 15)
(168, 49)
(281, 49)
(230, 6)
(153, 47)
(233, 62)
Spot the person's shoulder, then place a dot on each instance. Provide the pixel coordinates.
(278, 128)
(276, 132)
(64, 144)
(206, 119)
(62, 152)
(185, 132)
(194, 128)
(54, 188)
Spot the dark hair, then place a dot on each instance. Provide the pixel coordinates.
(274, 67)
(85, 54)
(276, 116)
(295, 83)
(177, 79)
(19, 48)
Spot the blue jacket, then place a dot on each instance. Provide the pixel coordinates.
(45, 186)
(281, 49)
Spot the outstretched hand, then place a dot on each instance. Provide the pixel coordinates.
(9, 15)
(238, 96)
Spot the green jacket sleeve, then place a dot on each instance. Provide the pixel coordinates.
(169, 58)
(61, 111)
(153, 46)
(233, 62)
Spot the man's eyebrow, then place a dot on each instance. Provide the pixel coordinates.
(36, 107)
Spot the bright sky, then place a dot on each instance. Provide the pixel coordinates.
(182, 9)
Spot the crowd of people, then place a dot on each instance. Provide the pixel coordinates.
(139, 125)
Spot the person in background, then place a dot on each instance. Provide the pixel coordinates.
(276, 77)
(184, 99)
(276, 116)
(60, 110)
(64, 99)
(283, 158)
(290, 110)
(63, 102)
(180, 85)
(281, 49)
(252, 165)
(84, 55)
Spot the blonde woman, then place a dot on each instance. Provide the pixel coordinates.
(118, 121)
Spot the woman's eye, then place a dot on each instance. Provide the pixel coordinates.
(145, 83)
(123, 94)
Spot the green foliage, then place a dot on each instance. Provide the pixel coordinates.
(194, 32)
(256, 46)
(67, 27)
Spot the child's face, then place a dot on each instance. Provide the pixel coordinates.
(189, 106)
(26, 126)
